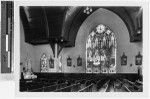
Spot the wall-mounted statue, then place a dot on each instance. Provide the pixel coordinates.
(69, 61)
(138, 59)
(79, 61)
(43, 63)
(123, 59)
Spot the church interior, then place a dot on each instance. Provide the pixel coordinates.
(81, 49)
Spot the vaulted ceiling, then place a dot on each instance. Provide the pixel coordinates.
(60, 24)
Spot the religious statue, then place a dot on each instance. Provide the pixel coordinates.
(27, 70)
(28, 62)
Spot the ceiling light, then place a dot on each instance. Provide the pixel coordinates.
(87, 10)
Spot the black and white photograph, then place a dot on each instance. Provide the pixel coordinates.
(81, 49)
(76, 49)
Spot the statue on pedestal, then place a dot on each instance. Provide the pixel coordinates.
(27, 70)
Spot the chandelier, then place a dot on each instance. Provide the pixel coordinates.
(87, 10)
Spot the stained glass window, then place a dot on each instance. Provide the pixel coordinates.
(101, 51)
(44, 63)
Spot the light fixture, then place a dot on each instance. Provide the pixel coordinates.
(139, 21)
(87, 10)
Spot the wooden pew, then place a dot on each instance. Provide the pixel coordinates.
(62, 85)
(126, 88)
(71, 88)
(32, 86)
(110, 87)
(100, 83)
(71, 81)
(87, 89)
(61, 81)
(50, 88)
(83, 82)
(139, 82)
(54, 87)
(49, 83)
(132, 86)
(23, 88)
(46, 88)
(104, 87)
(118, 86)
(36, 90)
(76, 87)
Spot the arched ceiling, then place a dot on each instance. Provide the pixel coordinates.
(122, 12)
(49, 25)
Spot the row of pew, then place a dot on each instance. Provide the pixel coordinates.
(82, 84)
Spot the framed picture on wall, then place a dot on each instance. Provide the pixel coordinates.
(51, 62)
(123, 59)
(69, 61)
(79, 61)
(138, 59)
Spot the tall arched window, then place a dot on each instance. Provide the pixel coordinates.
(101, 51)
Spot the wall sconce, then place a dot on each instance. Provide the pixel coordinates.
(123, 59)
(138, 59)
(69, 61)
(79, 61)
